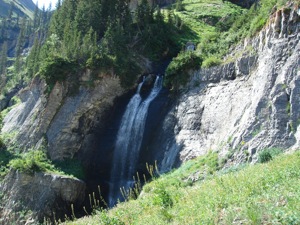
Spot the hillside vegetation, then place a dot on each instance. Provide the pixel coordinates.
(200, 192)
(197, 193)
(22, 24)
(214, 27)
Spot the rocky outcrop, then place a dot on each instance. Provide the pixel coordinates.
(244, 106)
(5, 101)
(60, 121)
(28, 198)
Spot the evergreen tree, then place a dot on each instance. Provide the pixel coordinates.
(62, 16)
(123, 14)
(36, 17)
(58, 4)
(89, 14)
(144, 13)
(3, 59)
(33, 58)
(19, 46)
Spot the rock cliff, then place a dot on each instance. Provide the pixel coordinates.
(28, 198)
(243, 106)
(59, 120)
(239, 108)
(62, 123)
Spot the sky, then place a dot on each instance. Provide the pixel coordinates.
(45, 3)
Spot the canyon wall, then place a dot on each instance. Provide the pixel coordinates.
(243, 106)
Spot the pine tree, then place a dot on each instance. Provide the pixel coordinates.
(89, 14)
(144, 14)
(3, 58)
(123, 14)
(33, 58)
(58, 4)
(19, 46)
(36, 17)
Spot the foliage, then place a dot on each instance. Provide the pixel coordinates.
(32, 161)
(247, 195)
(5, 157)
(162, 197)
(37, 161)
(16, 34)
(1, 141)
(267, 155)
(179, 5)
(108, 39)
(56, 69)
(211, 61)
(177, 71)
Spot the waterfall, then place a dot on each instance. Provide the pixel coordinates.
(129, 141)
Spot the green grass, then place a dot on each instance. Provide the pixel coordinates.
(36, 161)
(202, 18)
(216, 27)
(265, 193)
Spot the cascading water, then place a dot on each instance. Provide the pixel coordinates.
(129, 140)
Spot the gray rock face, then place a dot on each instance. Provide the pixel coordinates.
(38, 196)
(246, 105)
(61, 123)
(62, 120)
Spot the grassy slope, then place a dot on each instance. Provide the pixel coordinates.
(260, 194)
(201, 16)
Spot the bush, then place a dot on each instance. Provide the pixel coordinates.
(1, 141)
(56, 69)
(267, 155)
(177, 71)
(264, 156)
(32, 161)
(162, 197)
(211, 61)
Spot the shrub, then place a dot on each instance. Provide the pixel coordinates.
(162, 197)
(109, 220)
(267, 155)
(211, 61)
(32, 161)
(177, 71)
(56, 69)
(1, 142)
(264, 156)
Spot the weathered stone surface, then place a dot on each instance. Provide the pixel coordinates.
(246, 105)
(77, 116)
(5, 100)
(38, 196)
(63, 120)
(61, 123)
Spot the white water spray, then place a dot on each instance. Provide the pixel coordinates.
(129, 141)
